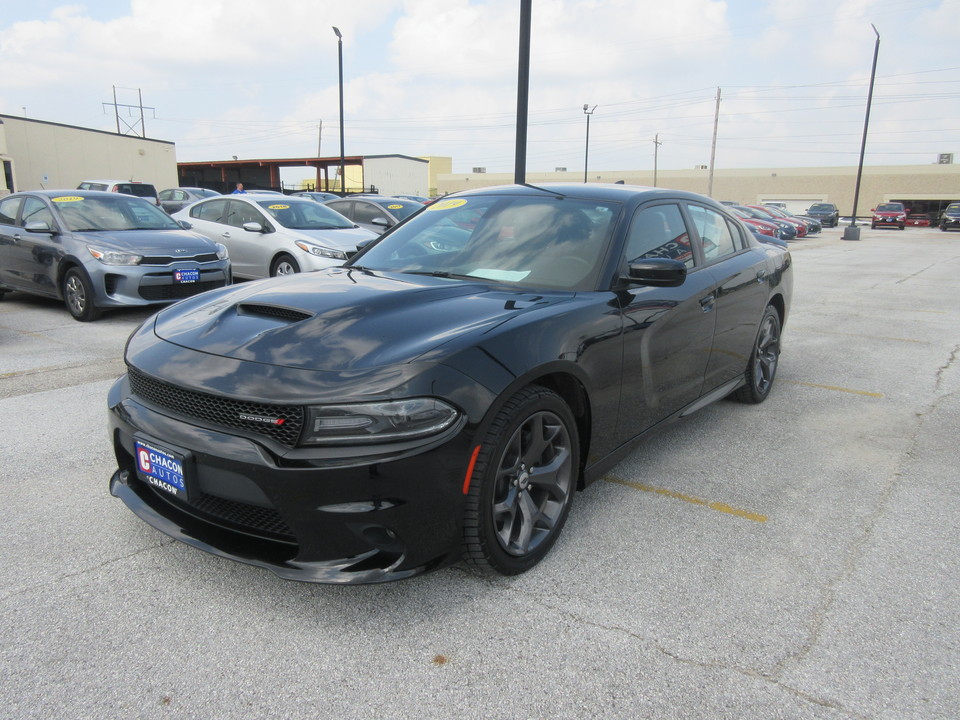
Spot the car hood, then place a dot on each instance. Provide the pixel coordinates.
(148, 242)
(341, 319)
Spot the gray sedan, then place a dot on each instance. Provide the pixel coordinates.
(96, 250)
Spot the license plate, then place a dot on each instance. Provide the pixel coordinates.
(161, 468)
(186, 276)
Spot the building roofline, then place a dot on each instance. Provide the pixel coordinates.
(84, 129)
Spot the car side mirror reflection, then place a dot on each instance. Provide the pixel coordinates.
(185, 225)
(253, 227)
(657, 272)
(380, 221)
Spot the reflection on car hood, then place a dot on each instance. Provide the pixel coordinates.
(148, 242)
(341, 319)
(340, 239)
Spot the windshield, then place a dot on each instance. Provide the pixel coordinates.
(304, 215)
(553, 243)
(890, 207)
(824, 208)
(953, 208)
(111, 212)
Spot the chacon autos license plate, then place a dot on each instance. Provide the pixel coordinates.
(186, 276)
(161, 468)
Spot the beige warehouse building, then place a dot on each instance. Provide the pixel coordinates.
(36, 154)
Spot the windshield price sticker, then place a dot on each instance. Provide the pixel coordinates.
(68, 198)
(278, 207)
(161, 468)
(446, 204)
(186, 276)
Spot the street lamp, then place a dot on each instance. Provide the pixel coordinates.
(343, 176)
(853, 232)
(588, 111)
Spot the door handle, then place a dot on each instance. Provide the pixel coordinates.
(761, 274)
(707, 302)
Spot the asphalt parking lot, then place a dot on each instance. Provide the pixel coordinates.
(796, 559)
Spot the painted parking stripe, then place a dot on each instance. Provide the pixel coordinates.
(713, 505)
(833, 387)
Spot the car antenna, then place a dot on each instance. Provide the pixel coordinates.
(542, 189)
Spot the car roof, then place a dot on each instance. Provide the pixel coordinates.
(77, 193)
(588, 191)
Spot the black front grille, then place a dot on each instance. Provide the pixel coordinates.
(263, 519)
(177, 291)
(226, 412)
(166, 260)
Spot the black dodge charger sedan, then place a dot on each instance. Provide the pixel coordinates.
(445, 393)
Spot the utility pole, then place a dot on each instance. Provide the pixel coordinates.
(523, 92)
(131, 126)
(713, 148)
(319, 137)
(656, 149)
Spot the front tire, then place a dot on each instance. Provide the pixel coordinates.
(762, 368)
(284, 265)
(523, 483)
(78, 296)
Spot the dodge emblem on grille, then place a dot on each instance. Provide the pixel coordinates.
(262, 419)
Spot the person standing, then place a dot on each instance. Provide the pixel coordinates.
(239, 190)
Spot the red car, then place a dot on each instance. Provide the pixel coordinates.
(761, 226)
(918, 220)
(801, 226)
(891, 214)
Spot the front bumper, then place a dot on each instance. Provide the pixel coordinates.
(120, 286)
(340, 520)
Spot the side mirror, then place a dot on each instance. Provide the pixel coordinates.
(383, 222)
(184, 224)
(40, 226)
(253, 227)
(657, 272)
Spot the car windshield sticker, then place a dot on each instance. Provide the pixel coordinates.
(68, 198)
(447, 204)
(278, 207)
(394, 207)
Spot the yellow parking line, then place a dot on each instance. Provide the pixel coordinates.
(832, 387)
(868, 337)
(718, 506)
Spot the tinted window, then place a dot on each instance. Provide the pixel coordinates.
(213, 211)
(659, 232)
(304, 215)
(8, 210)
(714, 232)
(366, 212)
(400, 209)
(111, 212)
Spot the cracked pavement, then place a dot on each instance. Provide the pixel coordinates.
(834, 594)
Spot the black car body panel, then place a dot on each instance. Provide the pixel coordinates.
(950, 218)
(209, 380)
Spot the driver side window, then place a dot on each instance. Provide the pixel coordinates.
(659, 232)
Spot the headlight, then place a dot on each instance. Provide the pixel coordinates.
(114, 257)
(222, 253)
(377, 422)
(321, 251)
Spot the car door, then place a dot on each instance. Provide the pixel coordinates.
(10, 235)
(32, 257)
(667, 332)
(739, 273)
(251, 252)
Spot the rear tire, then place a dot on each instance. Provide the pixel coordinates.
(762, 368)
(78, 296)
(523, 483)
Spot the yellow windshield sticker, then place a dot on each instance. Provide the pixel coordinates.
(68, 198)
(446, 204)
(279, 207)
(394, 207)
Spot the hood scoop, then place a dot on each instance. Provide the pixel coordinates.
(275, 312)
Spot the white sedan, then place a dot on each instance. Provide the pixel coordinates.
(269, 235)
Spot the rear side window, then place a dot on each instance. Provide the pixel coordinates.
(212, 211)
(9, 209)
(714, 233)
(91, 186)
(138, 189)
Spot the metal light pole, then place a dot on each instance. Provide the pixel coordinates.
(343, 176)
(588, 111)
(853, 232)
(523, 91)
(656, 151)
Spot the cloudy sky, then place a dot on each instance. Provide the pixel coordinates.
(258, 78)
